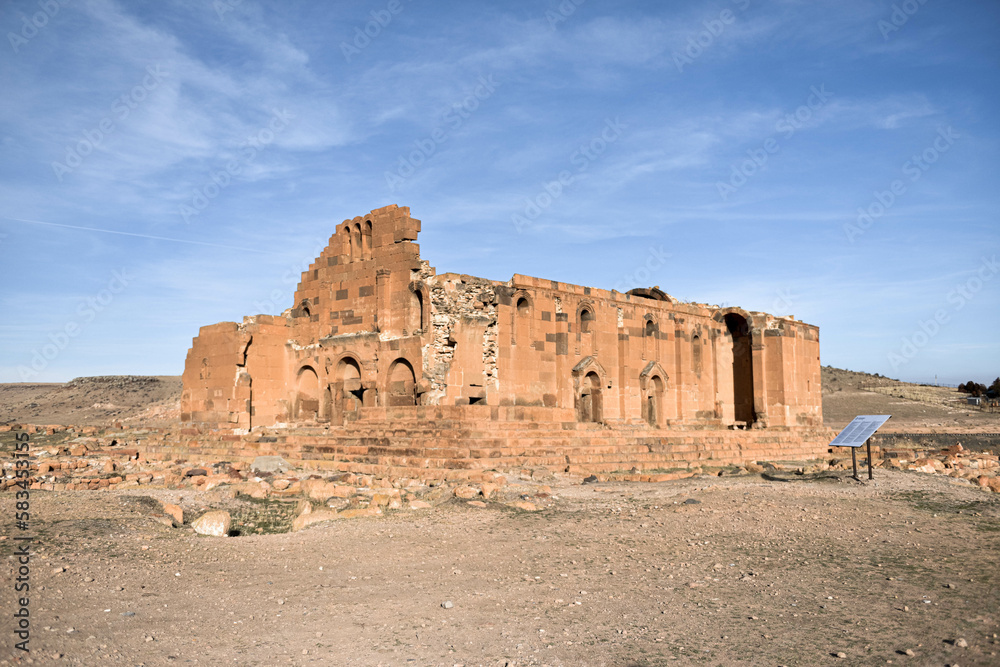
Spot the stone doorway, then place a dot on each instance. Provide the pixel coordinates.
(589, 407)
(654, 401)
(739, 332)
(346, 390)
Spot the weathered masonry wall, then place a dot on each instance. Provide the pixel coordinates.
(373, 328)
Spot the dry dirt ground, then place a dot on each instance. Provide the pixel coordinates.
(756, 570)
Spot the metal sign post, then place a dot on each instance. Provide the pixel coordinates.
(859, 432)
(871, 472)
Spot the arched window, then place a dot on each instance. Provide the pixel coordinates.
(416, 314)
(348, 243)
(696, 344)
(650, 328)
(523, 307)
(586, 319)
(366, 240)
(356, 241)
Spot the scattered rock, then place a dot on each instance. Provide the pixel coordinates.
(465, 492)
(270, 464)
(175, 511)
(524, 505)
(309, 518)
(304, 507)
(447, 604)
(214, 523)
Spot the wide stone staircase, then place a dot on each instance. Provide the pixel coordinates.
(456, 449)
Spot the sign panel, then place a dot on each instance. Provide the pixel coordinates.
(858, 431)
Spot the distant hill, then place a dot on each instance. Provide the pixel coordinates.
(151, 400)
(915, 408)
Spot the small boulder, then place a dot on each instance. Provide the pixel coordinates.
(524, 505)
(465, 492)
(304, 507)
(214, 523)
(174, 511)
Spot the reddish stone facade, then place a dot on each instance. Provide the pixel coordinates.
(376, 335)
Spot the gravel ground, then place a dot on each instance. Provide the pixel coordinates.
(717, 570)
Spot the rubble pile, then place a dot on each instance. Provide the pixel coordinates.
(93, 463)
(966, 467)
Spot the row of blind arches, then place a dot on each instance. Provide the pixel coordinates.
(358, 240)
(585, 318)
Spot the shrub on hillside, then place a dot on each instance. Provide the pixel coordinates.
(973, 388)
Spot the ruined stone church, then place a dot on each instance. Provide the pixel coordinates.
(383, 361)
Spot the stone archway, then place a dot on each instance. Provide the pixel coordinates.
(346, 389)
(401, 386)
(739, 333)
(653, 390)
(588, 383)
(306, 404)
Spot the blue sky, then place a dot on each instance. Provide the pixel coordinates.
(167, 165)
